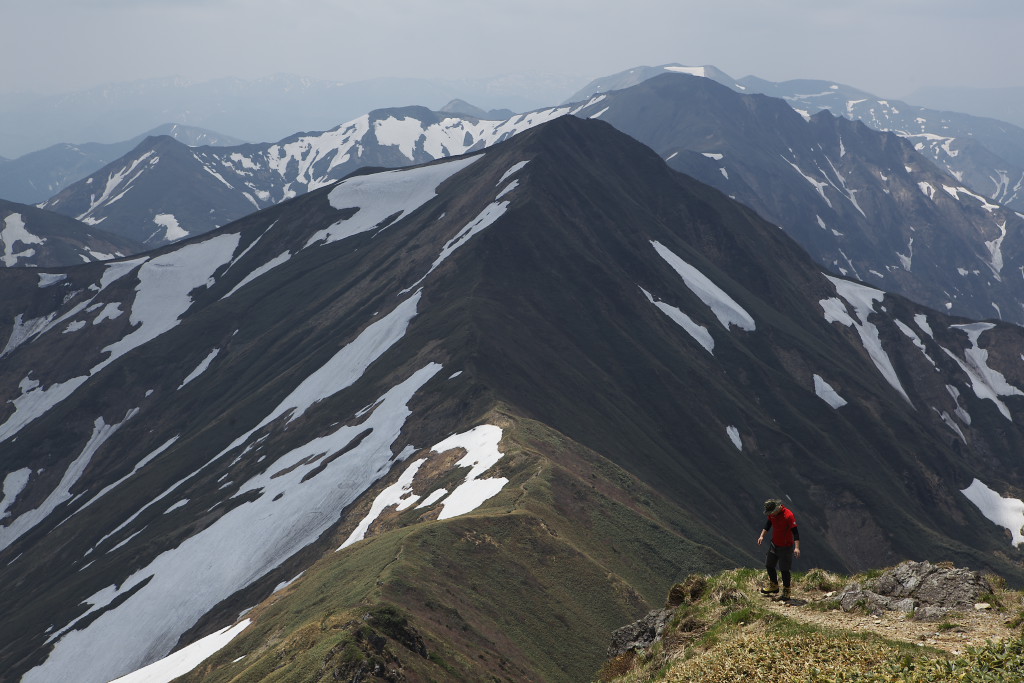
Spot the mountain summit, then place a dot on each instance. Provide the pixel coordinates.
(461, 391)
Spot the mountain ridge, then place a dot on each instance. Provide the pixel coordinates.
(250, 394)
(30, 236)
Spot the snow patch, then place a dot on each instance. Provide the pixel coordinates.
(101, 433)
(827, 394)
(257, 272)
(818, 185)
(995, 250)
(862, 298)
(734, 436)
(484, 219)
(907, 259)
(1006, 512)
(922, 322)
(185, 659)
(109, 312)
(345, 367)
(985, 381)
(512, 171)
(138, 466)
(721, 304)
(174, 231)
(692, 70)
(508, 188)
(481, 445)
(402, 133)
(14, 231)
(200, 369)
(35, 400)
(163, 293)
(47, 279)
(698, 332)
(380, 195)
(14, 483)
(398, 494)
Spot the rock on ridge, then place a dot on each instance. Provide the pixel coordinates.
(929, 591)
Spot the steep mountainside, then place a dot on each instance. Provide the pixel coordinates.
(864, 203)
(985, 154)
(453, 394)
(34, 237)
(39, 175)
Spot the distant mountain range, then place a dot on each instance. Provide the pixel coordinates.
(37, 176)
(864, 203)
(163, 190)
(1003, 104)
(985, 154)
(258, 110)
(417, 421)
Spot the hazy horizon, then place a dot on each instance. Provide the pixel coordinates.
(889, 48)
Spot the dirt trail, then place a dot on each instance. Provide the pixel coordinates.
(961, 629)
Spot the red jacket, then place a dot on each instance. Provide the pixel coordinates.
(782, 527)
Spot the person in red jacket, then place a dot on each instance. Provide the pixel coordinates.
(784, 546)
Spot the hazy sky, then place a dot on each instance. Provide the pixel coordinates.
(888, 47)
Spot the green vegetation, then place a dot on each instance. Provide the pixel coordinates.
(727, 632)
(527, 587)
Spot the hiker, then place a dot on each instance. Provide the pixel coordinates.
(784, 546)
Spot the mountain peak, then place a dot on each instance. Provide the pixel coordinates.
(458, 106)
(639, 74)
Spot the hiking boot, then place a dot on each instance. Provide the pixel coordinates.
(771, 588)
(785, 592)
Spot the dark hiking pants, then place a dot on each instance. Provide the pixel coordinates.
(781, 557)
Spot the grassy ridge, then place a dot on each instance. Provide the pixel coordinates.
(725, 632)
(529, 586)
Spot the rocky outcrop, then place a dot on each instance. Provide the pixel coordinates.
(645, 632)
(923, 589)
(641, 634)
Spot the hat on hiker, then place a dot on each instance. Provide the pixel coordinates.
(772, 505)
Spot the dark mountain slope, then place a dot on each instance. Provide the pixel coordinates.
(151, 192)
(34, 237)
(660, 413)
(864, 203)
(489, 380)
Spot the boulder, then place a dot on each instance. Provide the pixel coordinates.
(933, 585)
(641, 634)
(928, 590)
